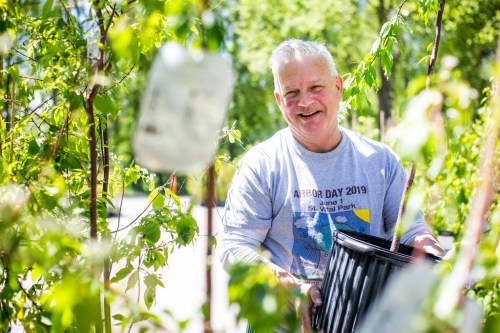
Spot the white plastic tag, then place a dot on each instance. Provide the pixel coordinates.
(182, 110)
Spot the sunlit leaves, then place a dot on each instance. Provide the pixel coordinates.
(105, 105)
(364, 77)
(58, 56)
(426, 7)
(262, 300)
(152, 282)
(132, 280)
(122, 273)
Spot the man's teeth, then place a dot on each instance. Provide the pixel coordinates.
(308, 114)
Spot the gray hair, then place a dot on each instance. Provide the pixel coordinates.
(297, 48)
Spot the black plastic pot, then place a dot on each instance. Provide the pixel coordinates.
(359, 266)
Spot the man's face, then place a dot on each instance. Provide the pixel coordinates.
(309, 96)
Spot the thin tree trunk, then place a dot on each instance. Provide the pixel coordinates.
(92, 134)
(12, 120)
(105, 188)
(1, 84)
(210, 206)
(89, 108)
(437, 38)
(402, 206)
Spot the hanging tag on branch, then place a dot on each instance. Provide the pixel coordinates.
(182, 110)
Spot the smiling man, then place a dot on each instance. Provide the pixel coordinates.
(293, 190)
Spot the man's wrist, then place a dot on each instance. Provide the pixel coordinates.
(284, 277)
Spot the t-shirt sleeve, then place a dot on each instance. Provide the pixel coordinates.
(247, 213)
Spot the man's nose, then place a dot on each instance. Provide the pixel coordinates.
(305, 99)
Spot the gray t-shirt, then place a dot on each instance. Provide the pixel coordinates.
(287, 200)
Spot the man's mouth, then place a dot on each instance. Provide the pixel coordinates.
(309, 114)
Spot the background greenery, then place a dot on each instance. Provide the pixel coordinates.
(71, 79)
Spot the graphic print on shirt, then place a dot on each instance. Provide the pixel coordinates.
(313, 231)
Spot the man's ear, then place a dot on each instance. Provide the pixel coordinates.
(277, 96)
(339, 84)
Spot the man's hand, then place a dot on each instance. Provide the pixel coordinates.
(312, 297)
(303, 305)
(429, 244)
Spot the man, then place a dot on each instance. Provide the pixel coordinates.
(291, 191)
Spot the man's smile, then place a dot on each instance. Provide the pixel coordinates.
(309, 114)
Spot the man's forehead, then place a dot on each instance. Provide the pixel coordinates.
(299, 60)
(292, 71)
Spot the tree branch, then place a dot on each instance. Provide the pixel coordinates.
(43, 103)
(437, 38)
(12, 120)
(24, 55)
(121, 80)
(402, 206)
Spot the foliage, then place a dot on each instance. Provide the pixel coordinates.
(71, 79)
(471, 36)
(196, 184)
(364, 77)
(452, 135)
(225, 167)
(263, 301)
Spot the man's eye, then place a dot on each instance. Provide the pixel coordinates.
(292, 93)
(316, 88)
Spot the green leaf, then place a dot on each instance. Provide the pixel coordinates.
(104, 104)
(390, 44)
(33, 147)
(152, 232)
(231, 138)
(353, 91)
(149, 297)
(173, 196)
(386, 28)
(122, 273)
(370, 76)
(186, 229)
(158, 202)
(47, 8)
(151, 280)
(73, 162)
(119, 317)
(402, 22)
(132, 280)
(386, 61)
(131, 176)
(153, 195)
(212, 241)
(376, 46)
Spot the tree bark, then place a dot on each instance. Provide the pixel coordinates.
(208, 277)
(437, 38)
